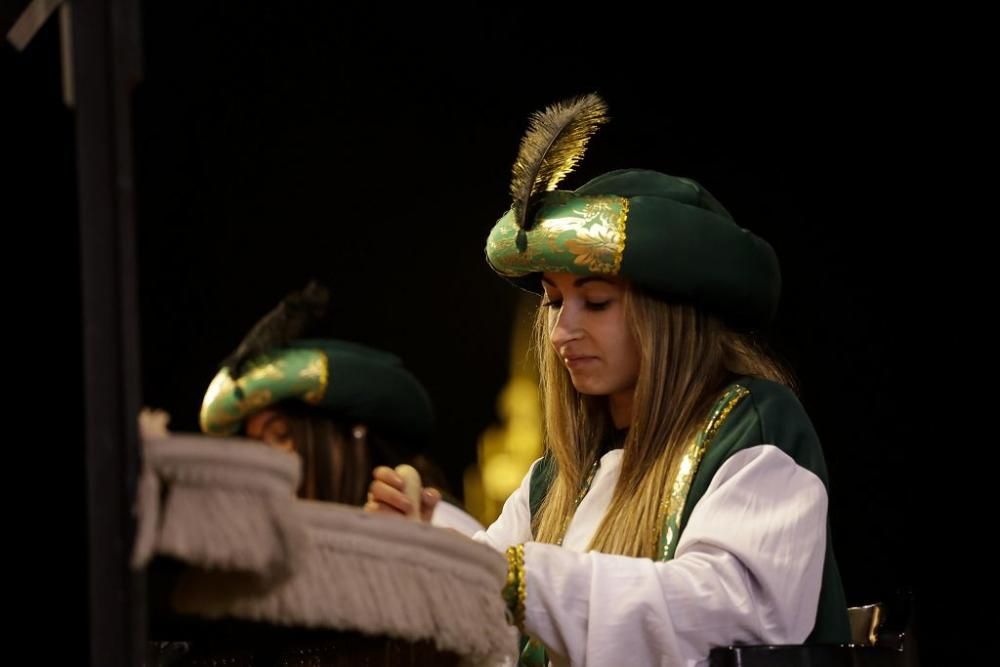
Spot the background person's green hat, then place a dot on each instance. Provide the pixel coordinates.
(664, 233)
(343, 380)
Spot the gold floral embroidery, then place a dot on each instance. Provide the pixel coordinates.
(578, 235)
(673, 504)
(290, 373)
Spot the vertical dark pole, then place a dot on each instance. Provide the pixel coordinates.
(106, 61)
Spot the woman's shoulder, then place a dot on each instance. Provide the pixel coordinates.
(776, 408)
(762, 412)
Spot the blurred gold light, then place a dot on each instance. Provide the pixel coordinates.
(507, 450)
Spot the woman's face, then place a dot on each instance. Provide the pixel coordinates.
(272, 427)
(588, 330)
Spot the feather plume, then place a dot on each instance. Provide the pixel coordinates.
(285, 322)
(555, 141)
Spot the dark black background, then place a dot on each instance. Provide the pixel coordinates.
(370, 147)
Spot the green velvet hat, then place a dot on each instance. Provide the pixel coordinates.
(343, 380)
(664, 233)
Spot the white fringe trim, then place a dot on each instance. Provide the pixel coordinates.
(258, 553)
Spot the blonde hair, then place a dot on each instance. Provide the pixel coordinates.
(687, 359)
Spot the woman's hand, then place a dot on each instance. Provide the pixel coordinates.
(387, 495)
